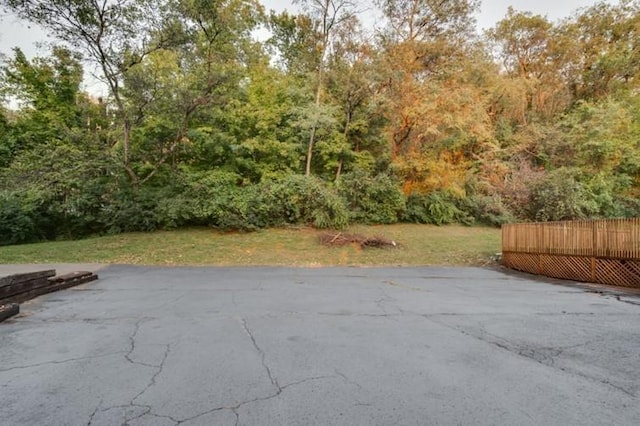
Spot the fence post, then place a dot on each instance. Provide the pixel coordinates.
(594, 249)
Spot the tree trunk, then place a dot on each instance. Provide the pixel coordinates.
(310, 150)
(345, 133)
(314, 128)
(126, 142)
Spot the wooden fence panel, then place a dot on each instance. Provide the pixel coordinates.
(603, 251)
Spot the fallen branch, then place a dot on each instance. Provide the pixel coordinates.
(342, 239)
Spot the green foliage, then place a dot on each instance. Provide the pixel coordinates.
(217, 199)
(16, 220)
(561, 196)
(204, 125)
(129, 211)
(7, 141)
(307, 200)
(487, 210)
(374, 200)
(437, 208)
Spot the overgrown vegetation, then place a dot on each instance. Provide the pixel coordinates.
(327, 123)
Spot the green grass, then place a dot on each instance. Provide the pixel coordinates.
(418, 245)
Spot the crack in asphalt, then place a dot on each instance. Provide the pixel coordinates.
(94, 413)
(386, 298)
(132, 345)
(542, 355)
(63, 361)
(173, 301)
(406, 287)
(347, 380)
(152, 381)
(236, 407)
(272, 379)
(274, 382)
(350, 314)
(147, 410)
(75, 319)
(160, 368)
(160, 416)
(380, 303)
(630, 302)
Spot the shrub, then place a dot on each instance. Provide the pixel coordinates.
(488, 210)
(130, 211)
(211, 198)
(17, 223)
(376, 199)
(437, 208)
(217, 199)
(561, 196)
(305, 200)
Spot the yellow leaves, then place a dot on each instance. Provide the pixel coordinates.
(431, 117)
(424, 175)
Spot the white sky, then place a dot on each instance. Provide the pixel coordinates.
(14, 33)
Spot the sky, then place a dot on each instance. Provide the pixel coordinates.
(14, 33)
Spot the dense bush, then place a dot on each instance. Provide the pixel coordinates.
(305, 200)
(17, 223)
(217, 199)
(375, 200)
(561, 196)
(130, 211)
(487, 210)
(437, 208)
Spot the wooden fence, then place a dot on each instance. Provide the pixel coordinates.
(599, 251)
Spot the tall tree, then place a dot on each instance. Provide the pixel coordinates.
(48, 91)
(599, 49)
(527, 47)
(121, 38)
(114, 35)
(353, 84)
(293, 43)
(327, 16)
(436, 106)
(522, 40)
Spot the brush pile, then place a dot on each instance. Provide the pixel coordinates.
(342, 239)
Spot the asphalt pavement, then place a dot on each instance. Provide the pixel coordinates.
(326, 346)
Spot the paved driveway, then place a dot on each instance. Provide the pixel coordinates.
(336, 346)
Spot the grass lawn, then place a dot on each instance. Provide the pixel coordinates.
(418, 245)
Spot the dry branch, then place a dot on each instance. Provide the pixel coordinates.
(342, 239)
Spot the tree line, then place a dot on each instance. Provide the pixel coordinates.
(326, 122)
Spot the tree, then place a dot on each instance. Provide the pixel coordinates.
(294, 43)
(327, 16)
(527, 47)
(522, 40)
(115, 36)
(6, 142)
(57, 155)
(174, 91)
(424, 20)
(352, 85)
(598, 49)
(121, 37)
(435, 94)
(48, 89)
